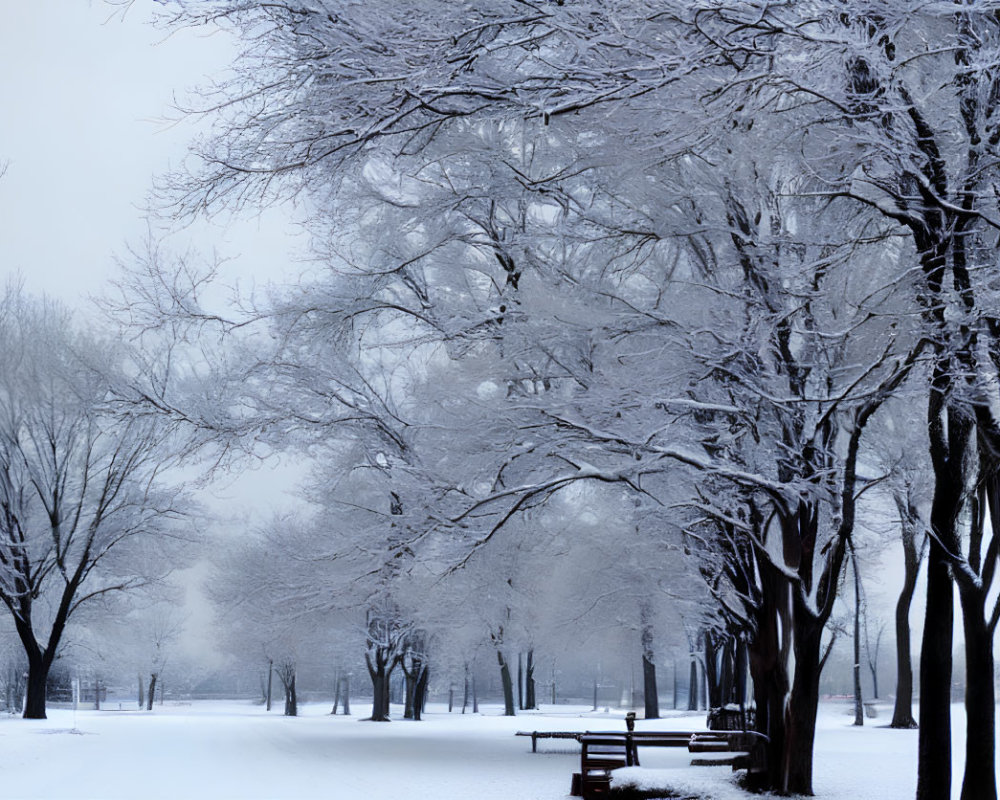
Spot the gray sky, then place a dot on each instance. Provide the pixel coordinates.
(86, 100)
(86, 106)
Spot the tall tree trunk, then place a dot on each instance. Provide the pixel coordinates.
(142, 692)
(703, 696)
(270, 681)
(859, 710)
(508, 685)
(336, 693)
(979, 782)
(347, 694)
(520, 682)
(949, 430)
(420, 692)
(650, 691)
(693, 685)
(651, 698)
(416, 684)
(727, 690)
(902, 713)
(713, 697)
(291, 699)
(410, 683)
(151, 694)
(38, 676)
(768, 669)
(800, 716)
(465, 689)
(934, 743)
(529, 681)
(934, 746)
(380, 685)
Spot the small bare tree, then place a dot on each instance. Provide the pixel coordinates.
(80, 488)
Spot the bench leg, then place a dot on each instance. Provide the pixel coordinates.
(534, 743)
(594, 787)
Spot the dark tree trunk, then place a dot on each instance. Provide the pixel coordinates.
(379, 675)
(520, 682)
(475, 697)
(347, 695)
(151, 694)
(336, 693)
(97, 694)
(270, 680)
(979, 782)
(465, 690)
(40, 658)
(291, 699)
(713, 694)
(410, 682)
(38, 675)
(859, 710)
(508, 685)
(529, 681)
(676, 687)
(703, 696)
(420, 692)
(142, 692)
(651, 698)
(451, 698)
(949, 430)
(768, 669)
(693, 686)
(416, 684)
(902, 713)
(934, 746)
(800, 717)
(727, 690)
(649, 689)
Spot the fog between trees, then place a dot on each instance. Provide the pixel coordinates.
(631, 325)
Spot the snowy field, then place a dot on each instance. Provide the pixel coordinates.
(231, 749)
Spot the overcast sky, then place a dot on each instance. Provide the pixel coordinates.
(86, 98)
(86, 101)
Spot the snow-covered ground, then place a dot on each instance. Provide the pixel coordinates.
(222, 750)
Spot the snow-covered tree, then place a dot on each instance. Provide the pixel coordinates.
(730, 288)
(82, 500)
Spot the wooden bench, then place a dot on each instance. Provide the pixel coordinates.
(653, 738)
(536, 735)
(600, 753)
